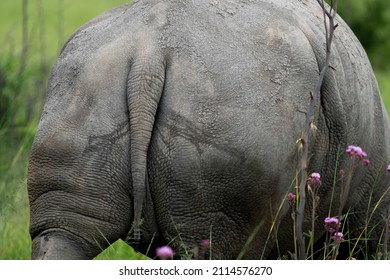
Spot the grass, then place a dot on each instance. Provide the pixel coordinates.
(120, 250)
(59, 19)
(50, 22)
(383, 78)
(47, 31)
(14, 215)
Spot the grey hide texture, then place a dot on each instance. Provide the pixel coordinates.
(175, 121)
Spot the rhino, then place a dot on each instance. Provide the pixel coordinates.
(172, 122)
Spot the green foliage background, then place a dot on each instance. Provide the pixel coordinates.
(31, 35)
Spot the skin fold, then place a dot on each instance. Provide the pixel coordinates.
(173, 122)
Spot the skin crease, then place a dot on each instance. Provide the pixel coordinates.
(183, 116)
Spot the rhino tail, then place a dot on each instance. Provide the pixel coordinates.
(144, 89)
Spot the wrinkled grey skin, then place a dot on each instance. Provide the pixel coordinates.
(185, 115)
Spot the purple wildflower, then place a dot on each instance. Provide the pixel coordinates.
(329, 220)
(203, 250)
(291, 199)
(205, 243)
(164, 252)
(338, 237)
(332, 224)
(291, 196)
(356, 151)
(388, 168)
(314, 180)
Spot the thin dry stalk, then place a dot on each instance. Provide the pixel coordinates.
(305, 138)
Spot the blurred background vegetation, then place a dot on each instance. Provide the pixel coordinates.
(31, 34)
